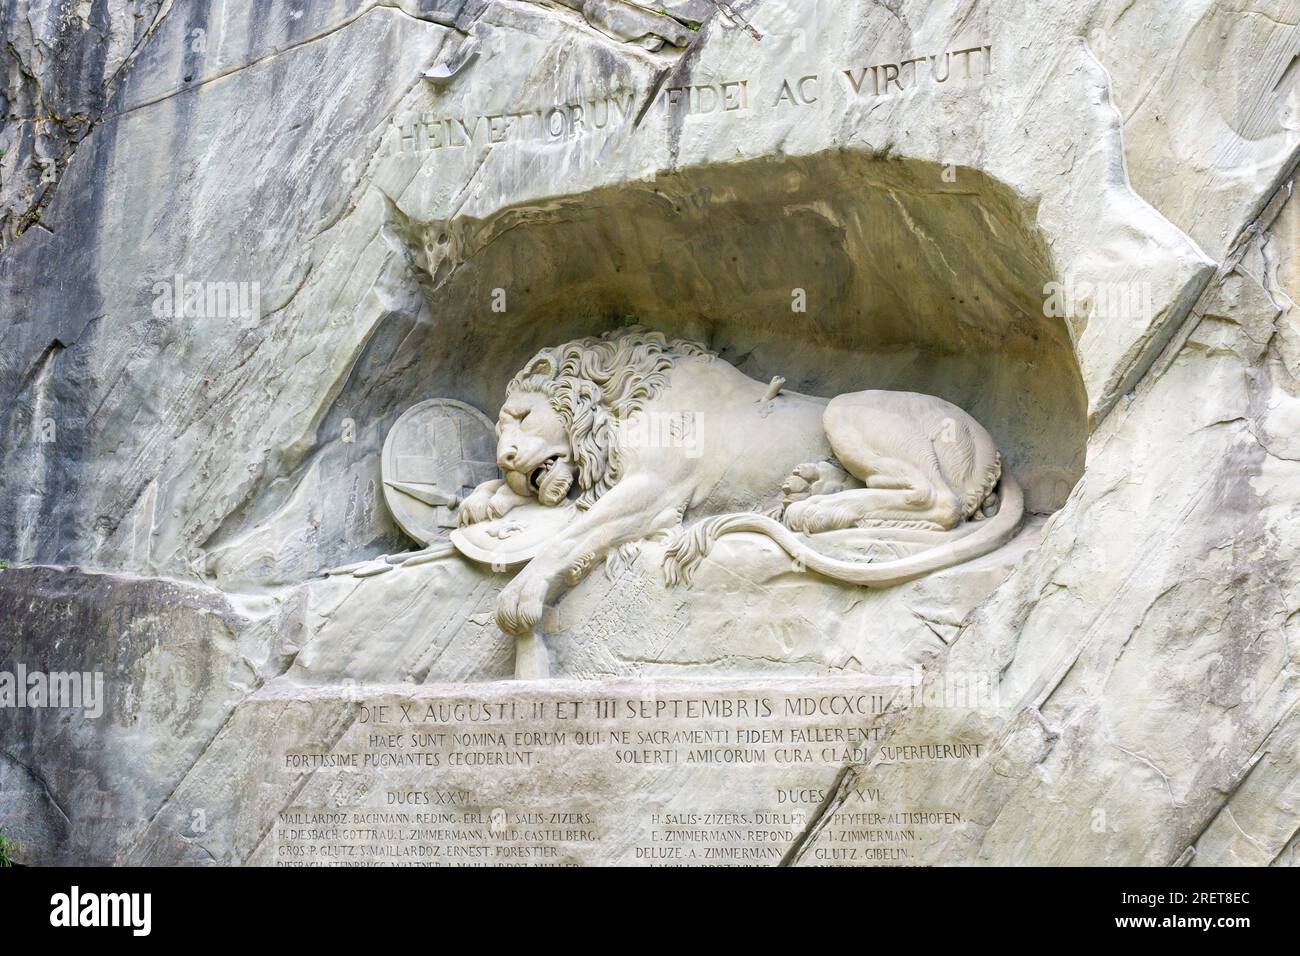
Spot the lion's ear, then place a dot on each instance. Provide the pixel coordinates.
(541, 365)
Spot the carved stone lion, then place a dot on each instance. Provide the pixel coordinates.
(647, 432)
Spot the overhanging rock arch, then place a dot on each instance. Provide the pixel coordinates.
(837, 272)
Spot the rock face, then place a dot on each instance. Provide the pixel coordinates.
(238, 243)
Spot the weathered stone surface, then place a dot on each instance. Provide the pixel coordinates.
(1083, 236)
(80, 783)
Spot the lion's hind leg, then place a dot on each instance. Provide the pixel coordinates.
(820, 513)
(897, 463)
(863, 508)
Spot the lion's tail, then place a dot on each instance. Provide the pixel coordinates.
(685, 555)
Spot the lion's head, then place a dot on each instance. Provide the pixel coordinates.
(563, 410)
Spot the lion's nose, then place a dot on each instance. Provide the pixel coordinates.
(507, 459)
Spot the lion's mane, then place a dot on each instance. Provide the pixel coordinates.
(595, 385)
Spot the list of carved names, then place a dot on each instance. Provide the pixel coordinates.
(640, 774)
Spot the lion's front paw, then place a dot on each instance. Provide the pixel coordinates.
(489, 502)
(477, 507)
(522, 603)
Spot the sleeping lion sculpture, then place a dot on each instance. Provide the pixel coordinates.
(738, 456)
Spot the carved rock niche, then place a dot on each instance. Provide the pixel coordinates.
(838, 273)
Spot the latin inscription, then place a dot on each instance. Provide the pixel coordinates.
(654, 774)
(600, 115)
(560, 121)
(885, 78)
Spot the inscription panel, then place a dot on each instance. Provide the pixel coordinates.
(660, 773)
(478, 126)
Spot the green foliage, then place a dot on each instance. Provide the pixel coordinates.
(6, 848)
(691, 25)
(4, 565)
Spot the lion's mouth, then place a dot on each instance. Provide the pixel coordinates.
(537, 474)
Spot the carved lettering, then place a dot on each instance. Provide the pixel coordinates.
(913, 72)
(555, 123)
